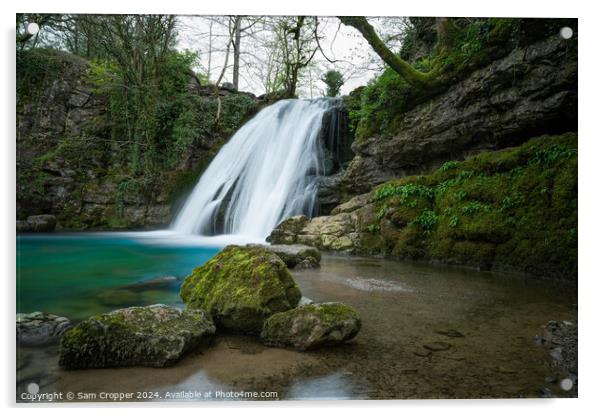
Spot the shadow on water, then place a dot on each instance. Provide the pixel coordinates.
(427, 331)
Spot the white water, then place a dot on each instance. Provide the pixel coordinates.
(266, 172)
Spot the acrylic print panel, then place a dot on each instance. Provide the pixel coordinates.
(295, 207)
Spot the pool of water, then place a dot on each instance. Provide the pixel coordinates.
(80, 275)
(427, 331)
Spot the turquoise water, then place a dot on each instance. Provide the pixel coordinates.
(83, 274)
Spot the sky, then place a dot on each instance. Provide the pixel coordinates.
(355, 58)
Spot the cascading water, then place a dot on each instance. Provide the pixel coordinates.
(268, 171)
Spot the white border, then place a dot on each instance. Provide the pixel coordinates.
(589, 183)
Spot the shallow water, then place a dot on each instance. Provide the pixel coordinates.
(481, 326)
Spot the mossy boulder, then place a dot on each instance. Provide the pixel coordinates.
(241, 287)
(149, 336)
(312, 326)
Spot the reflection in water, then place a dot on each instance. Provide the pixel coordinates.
(330, 387)
(485, 321)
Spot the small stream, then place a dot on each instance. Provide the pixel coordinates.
(427, 331)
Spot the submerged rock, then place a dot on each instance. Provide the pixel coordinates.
(39, 328)
(297, 255)
(241, 287)
(311, 326)
(150, 336)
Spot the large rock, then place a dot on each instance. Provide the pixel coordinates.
(287, 230)
(311, 326)
(39, 328)
(297, 255)
(150, 336)
(241, 287)
(332, 232)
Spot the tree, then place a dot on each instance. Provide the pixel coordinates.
(295, 37)
(334, 81)
(445, 28)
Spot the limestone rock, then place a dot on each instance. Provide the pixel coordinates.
(311, 326)
(38, 328)
(149, 336)
(241, 287)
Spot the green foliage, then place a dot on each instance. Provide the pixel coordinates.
(334, 81)
(511, 209)
(403, 191)
(452, 164)
(427, 220)
(473, 43)
(475, 206)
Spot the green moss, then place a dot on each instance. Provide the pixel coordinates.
(241, 286)
(311, 326)
(470, 44)
(154, 336)
(512, 209)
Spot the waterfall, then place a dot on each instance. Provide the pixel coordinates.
(268, 171)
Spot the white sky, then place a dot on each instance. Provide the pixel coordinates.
(358, 62)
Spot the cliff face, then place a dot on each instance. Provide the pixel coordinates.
(529, 92)
(511, 210)
(70, 166)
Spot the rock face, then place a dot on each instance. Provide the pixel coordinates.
(68, 163)
(150, 336)
(241, 287)
(297, 256)
(531, 91)
(38, 329)
(37, 224)
(311, 326)
(508, 210)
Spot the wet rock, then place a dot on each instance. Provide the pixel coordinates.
(287, 230)
(150, 336)
(423, 353)
(38, 328)
(560, 338)
(241, 287)
(451, 333)
(437, 346)
(152, 284)
(311, 326)
(297, 255)
(37, 224)
(376, 285)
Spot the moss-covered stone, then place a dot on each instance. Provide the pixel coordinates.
(311, 326)
(150, 336)
(241, 287)
(513, 209)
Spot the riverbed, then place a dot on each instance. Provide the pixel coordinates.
(427, 331)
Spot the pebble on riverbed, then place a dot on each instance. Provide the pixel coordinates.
(39, 328)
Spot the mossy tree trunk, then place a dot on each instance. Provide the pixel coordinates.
(403, 68)
(414, 77)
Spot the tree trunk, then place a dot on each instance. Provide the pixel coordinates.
(236, 51)
(403, 68)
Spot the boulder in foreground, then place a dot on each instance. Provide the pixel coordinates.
(149, 336)
(241, 287)
(39, 328)
(311, 326)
